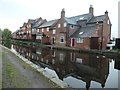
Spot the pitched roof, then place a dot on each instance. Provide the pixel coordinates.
(97, 18)
(37, 24)
(70, 21)
(83, 32)
(81, 17)
(47, 24)
(73, 20)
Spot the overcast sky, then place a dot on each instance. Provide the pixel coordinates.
(13, 13)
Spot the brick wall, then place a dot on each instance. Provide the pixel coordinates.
(85, 44)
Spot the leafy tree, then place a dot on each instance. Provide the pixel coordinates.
(6, 38)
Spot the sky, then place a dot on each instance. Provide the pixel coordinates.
(13, 13)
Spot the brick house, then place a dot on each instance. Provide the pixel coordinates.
(29, 30)
(82, 31)
(44, 33)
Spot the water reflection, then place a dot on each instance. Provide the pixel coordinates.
(77, 69)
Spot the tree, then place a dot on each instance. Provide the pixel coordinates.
(0, 36)
(6, 38)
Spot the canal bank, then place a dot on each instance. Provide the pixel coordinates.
(110, 53)
(37, 74)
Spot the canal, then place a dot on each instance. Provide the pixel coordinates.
(78, 70)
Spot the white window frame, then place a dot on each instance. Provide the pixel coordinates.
(65, 24)
(54, 31)
(48, 29)
(42, 29)
(61, 37)
(108, 22)
(79, 40)
(38, 30)
(59, 25)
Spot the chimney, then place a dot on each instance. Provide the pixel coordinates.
(63, 13)
(106, 12)
(91, 10)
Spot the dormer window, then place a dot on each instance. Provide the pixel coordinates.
(58, 25)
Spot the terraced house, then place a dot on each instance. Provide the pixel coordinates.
(82, 31)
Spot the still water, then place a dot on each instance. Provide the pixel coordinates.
(78, 70)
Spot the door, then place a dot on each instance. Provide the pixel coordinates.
(53, 40)
(94, 44)
(72, 42)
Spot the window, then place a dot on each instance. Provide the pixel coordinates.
(79, 60)
(65, 24)
(42, 29)
(81, 33)
(81, 18)
(58, 25)
(61, 39)
(79, 40)
(54, 31)
(47, 28)
(72, 27)
(108, 22)
(38, 30)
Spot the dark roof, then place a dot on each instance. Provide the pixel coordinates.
(81, 17)
(37, 24)
(87, 31)
(73, 20)
(47, 24)
(97, 18)
(32, 21)
(70, 21)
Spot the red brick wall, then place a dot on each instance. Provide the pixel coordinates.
(60, 31)
(45, 40)
(85, 44)
(106, 33)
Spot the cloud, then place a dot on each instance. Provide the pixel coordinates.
(13, 13)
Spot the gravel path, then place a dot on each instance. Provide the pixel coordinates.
(17, 74)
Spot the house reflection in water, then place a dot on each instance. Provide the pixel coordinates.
(84, 67)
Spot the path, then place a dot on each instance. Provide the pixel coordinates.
(17, 74)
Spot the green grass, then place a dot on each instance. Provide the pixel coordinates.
(13, 75)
